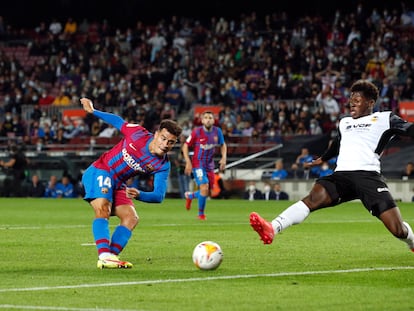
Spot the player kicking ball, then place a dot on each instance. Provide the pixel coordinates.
(139, 152)
(361, 138)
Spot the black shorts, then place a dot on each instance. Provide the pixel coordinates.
(369, 187)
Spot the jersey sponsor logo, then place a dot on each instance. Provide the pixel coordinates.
(132, 125)
(358, 126)
(208, 146)
(382, 189)
(129, 160)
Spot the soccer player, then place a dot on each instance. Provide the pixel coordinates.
(204, 140)
(361, 138)
(139, 152)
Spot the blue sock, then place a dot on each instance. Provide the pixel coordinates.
(100, 230)
(201, 204)
(120, 238)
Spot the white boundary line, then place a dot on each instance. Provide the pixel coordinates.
(10, 307)
(201, 279)
(310, 221)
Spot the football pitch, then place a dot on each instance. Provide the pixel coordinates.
(340, 258)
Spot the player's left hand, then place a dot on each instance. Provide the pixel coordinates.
(132, 193)
(222, 165)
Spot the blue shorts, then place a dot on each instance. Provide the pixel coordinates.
(201, 176)
(98, 184)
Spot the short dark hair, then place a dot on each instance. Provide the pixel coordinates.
(368, 89)
(171, 126)
(207, 112)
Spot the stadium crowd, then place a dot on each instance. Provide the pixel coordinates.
(271, 75)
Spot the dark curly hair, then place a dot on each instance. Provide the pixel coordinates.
(368, 89)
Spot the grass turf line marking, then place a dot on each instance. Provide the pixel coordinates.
(228, 277)
(9, 307)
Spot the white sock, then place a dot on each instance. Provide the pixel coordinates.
(294, 214)
(104, 255)
(410, 236)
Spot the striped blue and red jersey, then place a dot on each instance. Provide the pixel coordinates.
(131, 157)
(204, 145)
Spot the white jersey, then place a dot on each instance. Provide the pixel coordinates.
(363, 139)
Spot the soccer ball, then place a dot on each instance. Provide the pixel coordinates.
(207, 255)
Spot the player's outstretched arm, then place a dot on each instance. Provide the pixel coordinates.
(87, 105)
(110, 118)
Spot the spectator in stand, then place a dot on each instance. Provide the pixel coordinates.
(248, 129)
(208, 98)
(314, 127)
(55, 27)
(224, 98)
(18, 126)
(109, 131)
(7, 128)
(74, 129)
(95, 127)
(252, 193)
(327, 77)
(327, 102)
(65, 189)
(296, 172)
(298, 167)
(376, 73)
(243, 95)
(303, 157)
(71, 26)
(267, 193)
(329, 124)
(391, 70)
(408, 172)
(278, 193)
(50, 191)
(60, 136)
(230, 130)
(340, 93)
(218, 190)
(321, 170)
(407, 89)
(168, 112)
(14, 102)
(46, 99)
(36, 188)
(175, 97)
(301, 128)
(228, 116)
(62, 99)
(279, 172)
(36, 113)
(157, 42)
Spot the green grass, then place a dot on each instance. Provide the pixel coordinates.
(339, 259)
